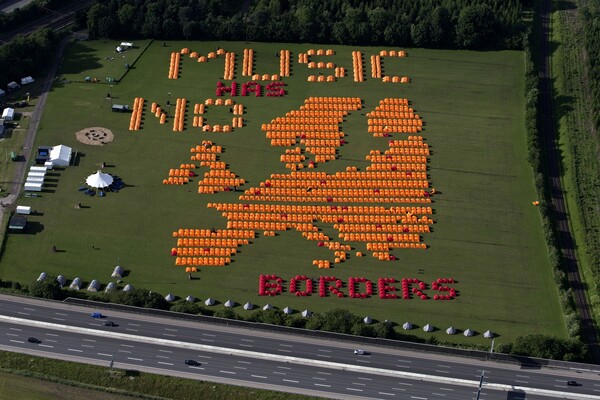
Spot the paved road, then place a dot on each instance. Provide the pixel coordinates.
(268, 360)
(589, 334)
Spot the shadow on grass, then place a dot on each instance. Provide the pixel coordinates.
(86, 59)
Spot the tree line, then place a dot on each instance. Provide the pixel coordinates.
(467, 24)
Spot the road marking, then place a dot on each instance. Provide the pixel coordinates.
(245, 345)
(51, 334)
(28, 309)
(286, 345)
(58, 319)
(403, 366)
(228, 372)
(387, 394)
(129, 323)
(22, 313)
(405, 383)
(290, 380)
(201, 356)
(77, 350)
(404, 361)
(61, 313)
(319, 378)
(126, 345)
(324, 373)
(206, 340)
(165, 363)
(359, 384)
(196, 367)
(104, 354)
(356, 390)
(244, 362)
(438, 394)
(284, 367)
(248, 340)
(12, 334)
(443, 388)
(15, 329)
(419, 398)
(284, 351)
(165, 351)
(88, 340)
(443, 366)
(87, 345)
(522, 376)
(238, 367)
(162, 357)
(323, 350)
(516, 380)
(209, 334)
(133, 358)
(321, 384)
(442, 371)
(365, 379)
(169, 334)
(278, 373)
(362, 360)
(401, 389)
(171, 329)
(47, 345)
(323, 355)
(131, 330)
(124, 351)
(259, 376)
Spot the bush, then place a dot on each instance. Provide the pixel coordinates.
(47, 289)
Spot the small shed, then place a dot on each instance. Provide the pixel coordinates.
(12, 86)
(8, 114)
(17, 223)
(24, 210)
(32, 186)
(27, 80)
(60, 155)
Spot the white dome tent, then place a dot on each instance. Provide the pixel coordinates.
(267, 307)
(111, 287)
(451, 331)
(170, 297)
(99, 180)
(488, 334)
(117, 273)
(128, 287)
(306, 313)
(94, 286)
(428, 328)
(42, 277)
(407, 326)
(209, 302)
(190, 298)
(76, 284)
(61, 280)
(367, 320)
(288, 311)
(468, 333)
(229, 303)
(248, 306)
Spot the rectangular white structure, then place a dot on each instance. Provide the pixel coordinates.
(8, 114)
(36, 174)
(38, 169)
(25, 210)
(27, 80)
(36, 179)
(33, 187)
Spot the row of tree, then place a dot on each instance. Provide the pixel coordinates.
(335, 320)
(468, 24)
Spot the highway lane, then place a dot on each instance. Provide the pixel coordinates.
(225, 368)
(281, 345)
(288, 345)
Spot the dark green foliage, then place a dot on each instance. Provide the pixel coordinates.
(468, 24)
(542, 346)
(47, 289)
(190, 308)
(140, 298)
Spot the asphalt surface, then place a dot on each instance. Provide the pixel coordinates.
(267, 360)
(553, 170)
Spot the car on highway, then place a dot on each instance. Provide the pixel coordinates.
(96, 315)
(359, 352)
(110, 323)
(34, 340)
(572, 383)
(192, 363)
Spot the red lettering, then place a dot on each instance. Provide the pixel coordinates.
(334, 289)
(294, 282)
(440, 287)
(383, 288)
(353, 282)
(275, 89)
(251, 87)
(268, 288)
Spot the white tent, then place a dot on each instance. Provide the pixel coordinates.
(468, 333)
(210, 301)
(94, 286)
(229, 304)
(288, 310)
(99, 180)
(451, 331)
(306, 313)
(111, 287)
(8, 114)
(42, 277)
(76, 284)
(407, 326)
(170, 297)
(428, 328)
(60, 155)
(367, 320)
(190, 298)
(248, 306)
(117, 273)
(128, 287)
(61, 280)
(488, 334)
(267, 307)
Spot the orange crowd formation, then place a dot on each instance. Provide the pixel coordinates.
(363, 206)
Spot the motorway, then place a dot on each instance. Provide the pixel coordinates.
(276, 361)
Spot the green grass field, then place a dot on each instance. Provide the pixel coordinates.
(486, 235)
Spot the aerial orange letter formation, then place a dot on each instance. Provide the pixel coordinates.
(394, 185)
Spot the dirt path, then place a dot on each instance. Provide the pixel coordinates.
(550, 139)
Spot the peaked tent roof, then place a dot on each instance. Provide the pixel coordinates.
(468, 332)
(428, 328)
(488, 334)
(451, 331)
(99, 180)
(60, 155)
(407, 326)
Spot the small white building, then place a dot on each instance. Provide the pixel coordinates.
(8, 114)
(33, 187)
(25, 210)
(27, 80)
(13, 86)
(60, 155)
